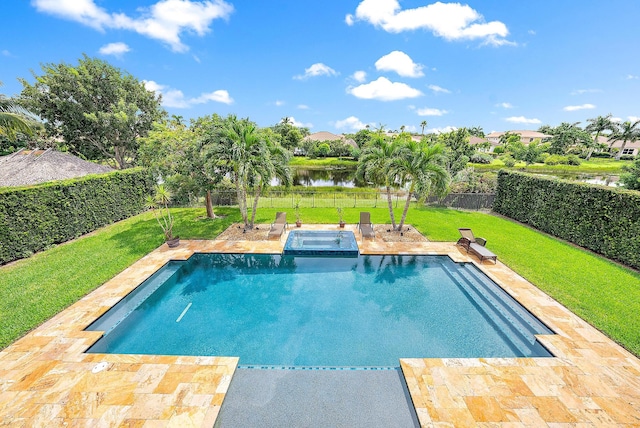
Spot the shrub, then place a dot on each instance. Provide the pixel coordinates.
(480, 158)
(37, 217)
(498, 150)
(573, 160)
(603, 219)
(554, 160)
(509, 161)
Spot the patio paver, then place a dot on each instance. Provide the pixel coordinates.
(47, 379)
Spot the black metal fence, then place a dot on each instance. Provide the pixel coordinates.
(311, 199)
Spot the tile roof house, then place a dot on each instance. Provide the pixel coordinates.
(328, 136)
(28, 167)
(526, 137)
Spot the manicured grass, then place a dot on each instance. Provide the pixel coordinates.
(301, 161)
(603, 293)
(593, 166)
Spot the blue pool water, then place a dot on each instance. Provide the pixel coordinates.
(321, 243)
(273, 310)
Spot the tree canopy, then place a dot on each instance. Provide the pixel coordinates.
(99, 110)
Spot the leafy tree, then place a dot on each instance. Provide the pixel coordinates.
(176, 153)
(251, 160)
(419, 167)
(631, 177)
(507, 138)
(625, 132)
(532, 152)
(289, 136)
(567, 135)
(13, 119)
(99, 110)
(596, 127)
(362, 137)
(457, 149)
(323, 149)
(374, 164)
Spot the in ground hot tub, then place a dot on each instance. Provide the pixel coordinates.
(321, 243)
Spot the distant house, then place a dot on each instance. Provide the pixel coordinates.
(328, 136)
(416, 138)
(526, 137)
(632, 148)
(28, 167)
(474, 141)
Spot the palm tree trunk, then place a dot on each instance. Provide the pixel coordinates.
(209, 205)
(242, 200)
(404, 212)
(255, 207)
(390, 204)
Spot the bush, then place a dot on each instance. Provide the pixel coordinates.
(603, 219)
(509, 161)
(481, 158)
(573, 160)
(498, 150)
(554, 160)
(37, 217)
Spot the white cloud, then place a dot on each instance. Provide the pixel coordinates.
(504, 105)
(196, 58)
(351, 122)
(522, 119)
(294, 122)
(430, 112)
(317, 69)
(632, 77)
(359, 76)
(532, 32)
(580, 107)
(175, 98)
(585, 91)
(165, 20)
(633, 118)
(115, 49)
(349, 20)
(442, 130)
(6, 52)
(303, 107)
(436, 89)
(384, 90)
(279, 103)
(616, 119)
(451, 21)
(401, 63)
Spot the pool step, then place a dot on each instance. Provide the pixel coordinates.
(510, 318)
(110, 319)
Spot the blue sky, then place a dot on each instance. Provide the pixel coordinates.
(338, 65)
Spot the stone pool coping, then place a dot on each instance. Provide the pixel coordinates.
(47, 379)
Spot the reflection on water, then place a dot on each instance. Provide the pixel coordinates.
(603, 180)
(344, 177)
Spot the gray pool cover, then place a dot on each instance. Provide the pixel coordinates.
(317, 398)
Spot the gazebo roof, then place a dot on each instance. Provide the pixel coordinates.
(28, 167)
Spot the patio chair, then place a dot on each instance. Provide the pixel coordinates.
(278, 226)
(365, 226)
(475, 245)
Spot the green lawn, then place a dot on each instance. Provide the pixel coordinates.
(593, 166)
(603, 293)
(305, 162)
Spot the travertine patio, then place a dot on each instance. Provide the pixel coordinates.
(46, 379)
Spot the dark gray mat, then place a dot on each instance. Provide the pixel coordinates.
(317, 398)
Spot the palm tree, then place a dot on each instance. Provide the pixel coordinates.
(286, 120)
(420, 167)
(597, 125)
(423, 125)
(625, 132)
(251, 160)
(12, 119)
(373, 167)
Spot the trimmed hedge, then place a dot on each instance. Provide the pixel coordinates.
(602, 219)
(34, 218)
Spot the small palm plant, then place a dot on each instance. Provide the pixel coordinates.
(341, 216)
(159, 204)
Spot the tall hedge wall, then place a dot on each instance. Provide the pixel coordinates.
(604, 220)
(33, 218)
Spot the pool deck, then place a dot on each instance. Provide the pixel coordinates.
(46, 379)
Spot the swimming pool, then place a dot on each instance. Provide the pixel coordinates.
(329, 243)
(273, 310)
